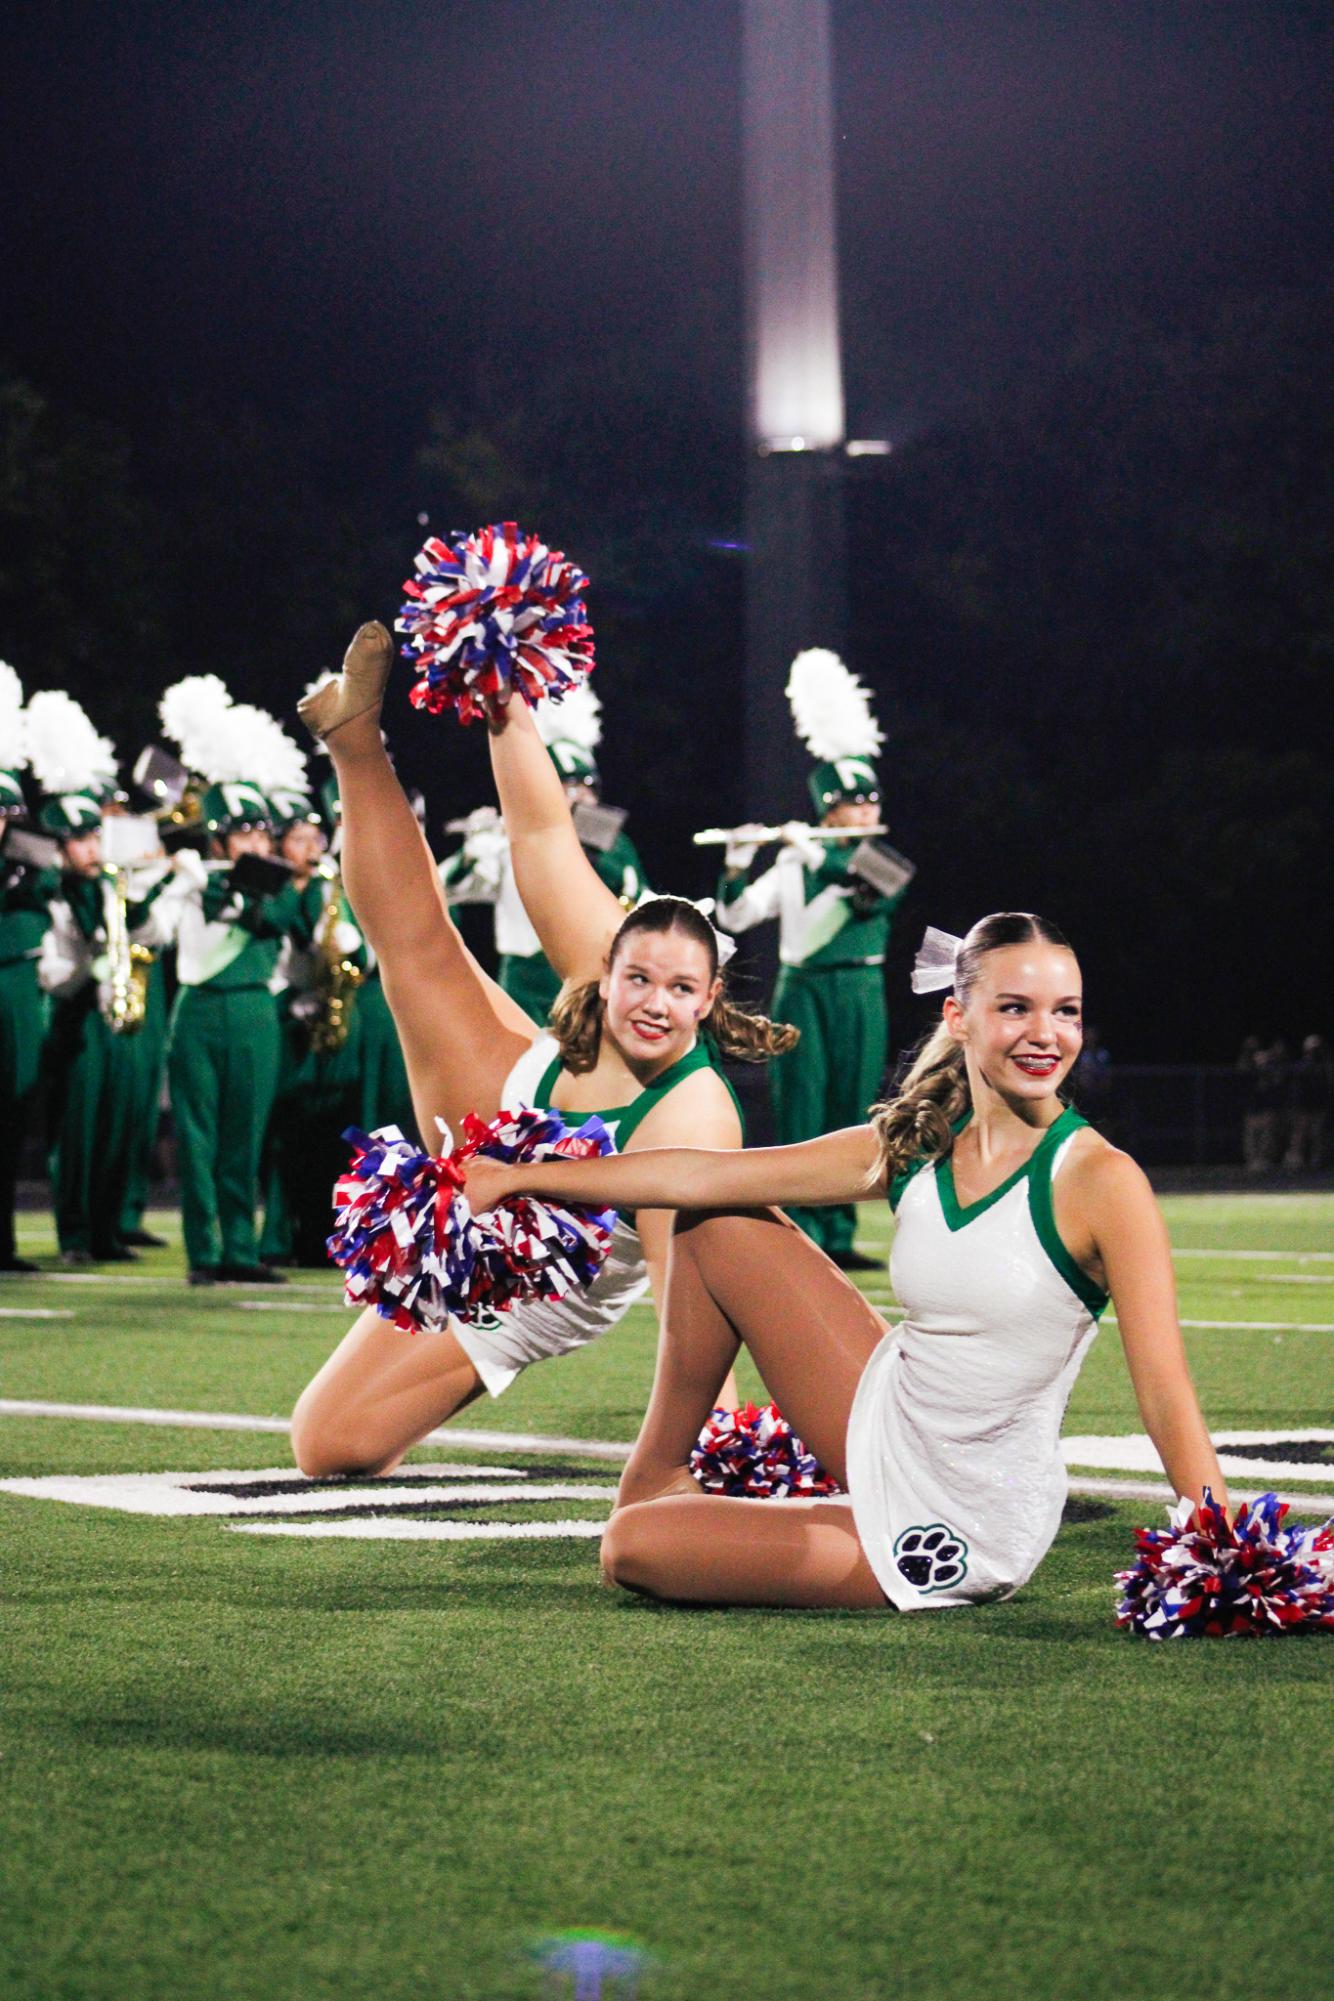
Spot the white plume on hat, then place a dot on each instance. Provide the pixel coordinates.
(65, 751)
(13, 723)
(192, 712)
(249, 744)
(576, 718)
(831, 707)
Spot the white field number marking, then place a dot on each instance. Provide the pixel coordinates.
(383, 1509)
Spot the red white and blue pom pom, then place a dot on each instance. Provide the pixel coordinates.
(754, 1451)
(1256, 1576)
(494, 614)
(409, 1244)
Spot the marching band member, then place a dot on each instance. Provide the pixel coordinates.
(319, 1087)
(225, 1043)
(94, 965)
(26, 889)
(833, 932)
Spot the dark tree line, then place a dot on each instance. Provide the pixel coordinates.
(1097, 611)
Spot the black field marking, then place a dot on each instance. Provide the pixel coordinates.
(433, 1511)
(1298, 1451)
(1077, 1509)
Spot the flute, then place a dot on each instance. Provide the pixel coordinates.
(717, 837)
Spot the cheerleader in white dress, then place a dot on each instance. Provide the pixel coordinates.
(637, 1028)
(1016, 1224)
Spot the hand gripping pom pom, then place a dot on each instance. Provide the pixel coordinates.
(1212, 1580)
(491, 615)
(408, 1243)
(754, 1451)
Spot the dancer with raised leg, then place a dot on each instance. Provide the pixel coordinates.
(1016, 1222)
(628, 1042)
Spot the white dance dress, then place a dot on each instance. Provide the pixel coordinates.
(954, 1459)
(501, 1345)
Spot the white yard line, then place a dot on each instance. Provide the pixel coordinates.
(1268, 1257)
(381, 1530)
(207, 1420)
(1302, 1505)
(225, 1289)
(36, 1313)
(1078, 1451)
(1253, 1326)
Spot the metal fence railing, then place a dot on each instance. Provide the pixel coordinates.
(1186, 1115)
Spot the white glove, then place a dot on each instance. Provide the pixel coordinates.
(797, 835)
(741, 850)
(189, 867)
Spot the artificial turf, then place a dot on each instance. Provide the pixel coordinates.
(243, 1766)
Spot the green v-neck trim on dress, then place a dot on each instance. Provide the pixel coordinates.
(632, 1115)
(959, 1214)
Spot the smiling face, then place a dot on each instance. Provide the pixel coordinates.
(658, 990)
(1021, 1024)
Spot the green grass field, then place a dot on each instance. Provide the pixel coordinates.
(256, 1766)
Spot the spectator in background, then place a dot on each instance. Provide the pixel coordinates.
(1310, 1085)
(1262, 1122)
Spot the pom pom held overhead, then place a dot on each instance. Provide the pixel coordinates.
(490, 615)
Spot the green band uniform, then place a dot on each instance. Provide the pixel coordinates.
(24, 917)
(833, 935)
(223, 1059)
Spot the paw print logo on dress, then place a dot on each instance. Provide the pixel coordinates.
(931, 1557)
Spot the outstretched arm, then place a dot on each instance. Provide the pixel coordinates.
(571, 909)
(841, 1167)
(1131, 1240)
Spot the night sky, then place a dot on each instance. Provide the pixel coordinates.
(299, 232)
(382, 206)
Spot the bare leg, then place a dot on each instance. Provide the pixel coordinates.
(382, 1390)
(378, 1394)
(460, 1034)
(748, 1277)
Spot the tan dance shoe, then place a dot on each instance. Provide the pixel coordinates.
(358, 690)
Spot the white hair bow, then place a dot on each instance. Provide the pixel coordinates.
(936, 962)
(725, 945)
(705, 905)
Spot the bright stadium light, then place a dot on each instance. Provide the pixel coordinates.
(792, 258)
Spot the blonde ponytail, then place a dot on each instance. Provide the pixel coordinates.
(917, 1124)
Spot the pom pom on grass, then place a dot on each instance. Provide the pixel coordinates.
(754, 1451)
(1207, 1579)
(409, 1244)
(491, 615)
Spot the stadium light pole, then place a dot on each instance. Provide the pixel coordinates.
(795, 562)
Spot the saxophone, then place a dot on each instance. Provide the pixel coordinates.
(125, 993)
(336, 976)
